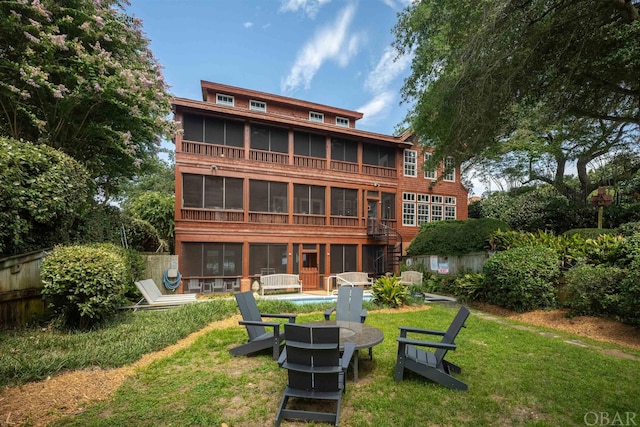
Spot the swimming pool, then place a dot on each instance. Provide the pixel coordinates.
(314, 299)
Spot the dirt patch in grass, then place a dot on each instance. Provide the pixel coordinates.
(596, 328)
(40, 403)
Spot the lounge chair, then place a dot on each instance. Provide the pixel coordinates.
(315, 370)
(259, 338)
(431, 365)
(155, 299)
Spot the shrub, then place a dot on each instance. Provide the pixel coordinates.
(626, 251)
(142, 236)
(389, 292)
(469, 287)
(593, 290)
(42, 193)
(84, 285)
(630, 294)
(457, 237)
(629, 228)
(522, 279)
(590, 233)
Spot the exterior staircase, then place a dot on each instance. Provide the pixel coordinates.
(380, 231)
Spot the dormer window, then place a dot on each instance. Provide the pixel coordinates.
(224, 99)
(316, 117)
(258, 106)
(341, 121)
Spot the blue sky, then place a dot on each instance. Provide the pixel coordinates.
(333, 52)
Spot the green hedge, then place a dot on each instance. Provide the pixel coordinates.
(590, 233)
(43, 192)
(593, 290)
(522, 279)
(85, 285)
(455, 237)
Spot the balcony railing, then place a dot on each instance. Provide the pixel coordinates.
(212, 150)
(341, 166)
(269, 157)
(211, 215)
(268, 217)
(380, 171)
(305, 219)
(310, 162)
(344, 221)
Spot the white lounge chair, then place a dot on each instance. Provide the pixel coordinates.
(155, 299)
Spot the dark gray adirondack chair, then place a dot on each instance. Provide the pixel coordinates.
(259, 338)
(315, 370)
(431, 365)
(349, 307)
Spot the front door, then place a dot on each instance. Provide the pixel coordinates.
(309, 273)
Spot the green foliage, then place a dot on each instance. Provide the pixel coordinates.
(84, 285)
(42, 193)
(533, 209)
(141, 236)
(389, 292)
(590, 233)
(79, 76)
(594, 290)
(155, 208)
(464, 92)
(627, 251)
(570, 249)
(630, 294)
(458, 237)
(469, 287)
(522, 279)
(629, 228)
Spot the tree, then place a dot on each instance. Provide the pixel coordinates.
(477, 61)
(536, 152)
(79, 76)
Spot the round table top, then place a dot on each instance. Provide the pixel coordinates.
(361, 334)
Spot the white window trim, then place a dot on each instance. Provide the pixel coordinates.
(449, 176)
(252, 107)
(318, 119)
(221, 101)
(345, 122)
(429, 174)
(414, 164)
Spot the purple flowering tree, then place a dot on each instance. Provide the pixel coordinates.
(78, 75)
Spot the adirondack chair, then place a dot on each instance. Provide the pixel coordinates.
(259, 338)
(431, 365)
(315, 370)
(349, 307)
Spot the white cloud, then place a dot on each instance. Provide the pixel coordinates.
(387, 70)
(332, 42)
(309, 7)
(378, 83)
(377, 107)
(398, 4)
(247, 24)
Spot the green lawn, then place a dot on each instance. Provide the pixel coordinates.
(515, 377)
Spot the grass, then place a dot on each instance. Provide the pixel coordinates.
(515, 376)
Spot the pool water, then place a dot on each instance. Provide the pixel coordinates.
(319, 299)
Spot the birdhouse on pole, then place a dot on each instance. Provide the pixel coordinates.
(601, 199)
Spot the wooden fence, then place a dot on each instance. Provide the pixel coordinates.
(450, 264)
(20, 287)
(20, 284)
